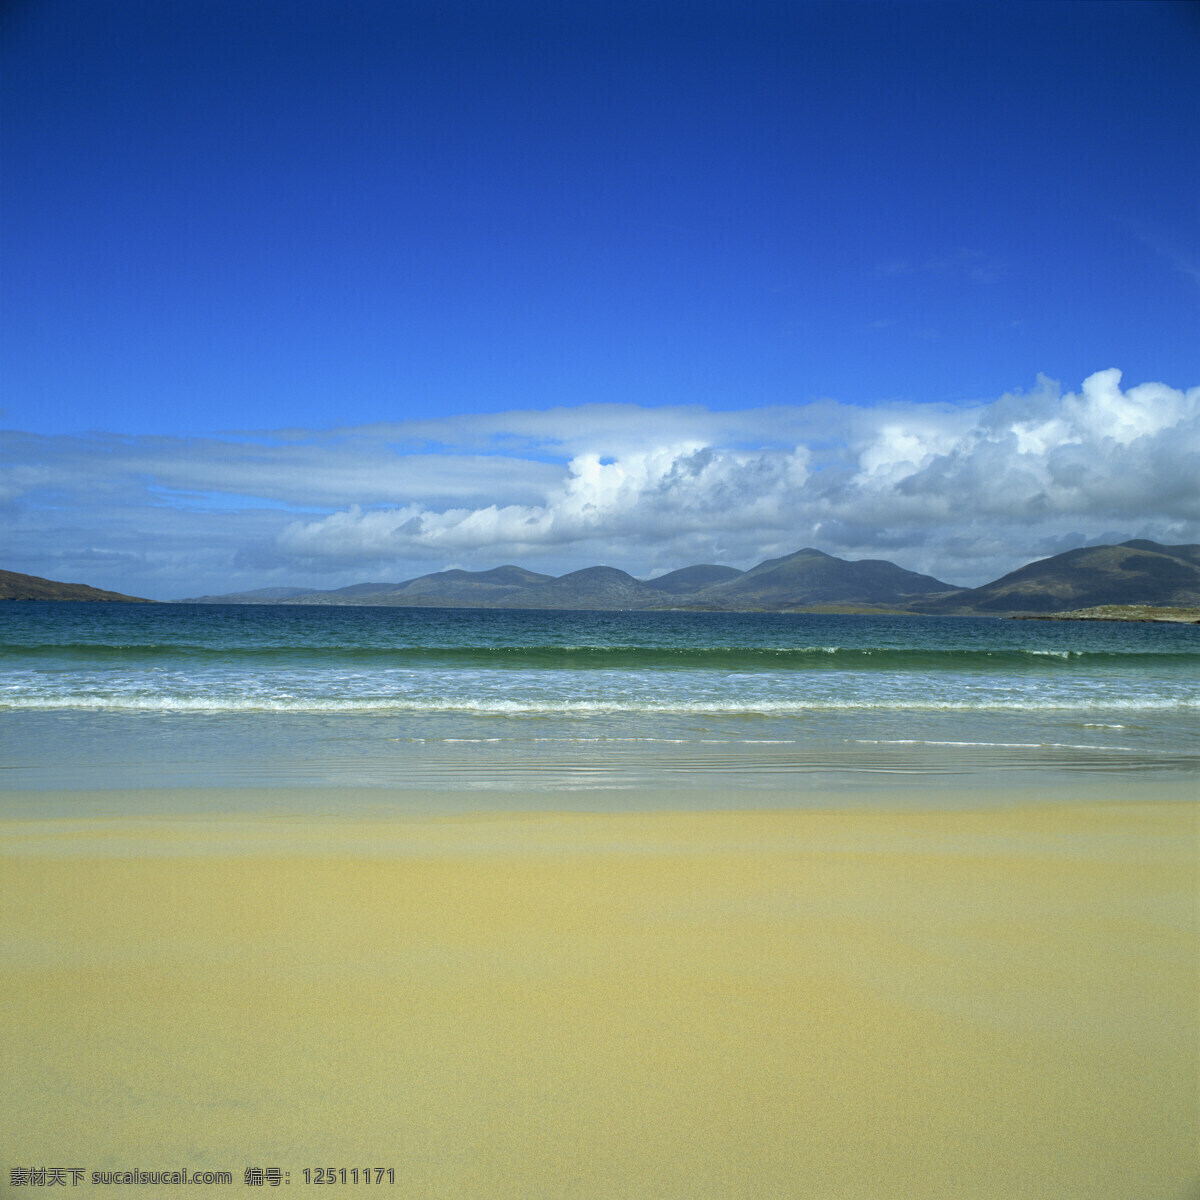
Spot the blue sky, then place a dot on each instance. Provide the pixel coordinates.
(319, 292)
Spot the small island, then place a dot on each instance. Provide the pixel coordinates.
(1121, 612)
(15, 586)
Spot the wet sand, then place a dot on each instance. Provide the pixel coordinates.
(951, 1002)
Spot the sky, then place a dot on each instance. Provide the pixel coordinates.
(317, 293)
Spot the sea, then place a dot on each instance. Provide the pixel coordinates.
(770, 707)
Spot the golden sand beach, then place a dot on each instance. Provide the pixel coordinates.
(854, 1005)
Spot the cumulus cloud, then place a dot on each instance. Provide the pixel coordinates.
(643, 495)
(963, 492)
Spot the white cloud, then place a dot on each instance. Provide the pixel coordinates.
(961, 492)
(652, 495)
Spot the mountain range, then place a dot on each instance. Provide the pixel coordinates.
(1134, 572)
(1137, 572)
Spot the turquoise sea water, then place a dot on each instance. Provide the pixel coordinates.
(138, 696)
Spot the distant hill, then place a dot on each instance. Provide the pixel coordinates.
(258, 596)
(810, 577)
(448, 588)
(443, 589)
(14, 586)
(593, 587)
(688, 580)
(1136, 572)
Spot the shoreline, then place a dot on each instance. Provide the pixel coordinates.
(348, 803)
(948, 999)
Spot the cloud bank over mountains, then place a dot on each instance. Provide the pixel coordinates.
(960, 492)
